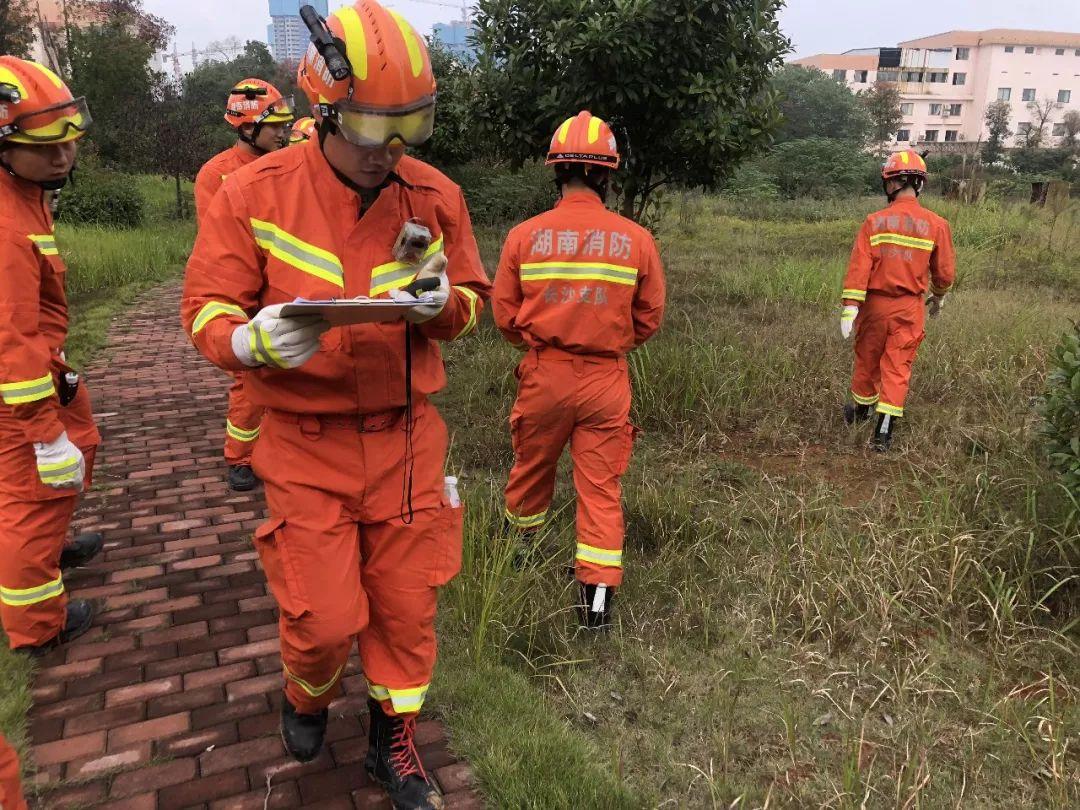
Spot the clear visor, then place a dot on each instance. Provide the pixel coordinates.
(56, 124)
(280, 112)
(371, 128)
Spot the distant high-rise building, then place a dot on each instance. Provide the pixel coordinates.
(455, 38)
(287, 35)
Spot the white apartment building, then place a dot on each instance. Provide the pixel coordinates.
(946, 82)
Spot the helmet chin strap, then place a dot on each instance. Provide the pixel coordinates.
(251, 140)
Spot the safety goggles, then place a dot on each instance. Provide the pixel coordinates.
(280, 112)
(371, 127)
(57, 124)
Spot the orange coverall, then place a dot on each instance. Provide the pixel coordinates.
(900, 252)
(33, 328)
(243, 418)
(11, 795)
(578, 287)
(344, 551)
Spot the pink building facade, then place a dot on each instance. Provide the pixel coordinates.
(947, 80)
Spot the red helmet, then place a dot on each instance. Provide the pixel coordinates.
(389, 93)
(906, 163)
(254, 101)
(584, 139)
(36, 106)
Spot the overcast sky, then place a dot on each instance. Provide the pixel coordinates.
(815, 26)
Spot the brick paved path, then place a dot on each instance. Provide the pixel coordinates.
(171, 700)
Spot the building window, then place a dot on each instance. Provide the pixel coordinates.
(887, 75)
(952, 135)
(912, 76)
(1076, 52)
(959, 78)
(907, 108)
(1004, 93)
(931, 135)
(1064, 96)
(1059, 52)
(839, 75)
(962, 54)
(1029, 49)
(1008, 49)
(1029, 94)
(935, 109)
(1023, 128)
(954, 109)
(1059, 130)
(861, 76)
(938, 78)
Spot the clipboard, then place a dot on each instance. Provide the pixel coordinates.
(348, 311)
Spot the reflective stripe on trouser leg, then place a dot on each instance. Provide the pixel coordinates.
(907, 317)
(525, 521)
(314, 690)
(403, 701)
(33, 601)
(241, 424)
(861, 400)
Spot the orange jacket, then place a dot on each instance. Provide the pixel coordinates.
(286, 227)
(33, 314)
(213, 174)
(901, 250)
(579, 278)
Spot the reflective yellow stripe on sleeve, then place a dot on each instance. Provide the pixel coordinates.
(903, 240)
(471, 323)
(297, 253)
(45, 243)
(214, 309)
(599, 556)
(16, 597)
(240, 434)
(405, 701)
(23, 391)
(395, 275)
(313, 691)
(579, 271)
(854, 295)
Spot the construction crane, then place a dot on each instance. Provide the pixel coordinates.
(463, 7)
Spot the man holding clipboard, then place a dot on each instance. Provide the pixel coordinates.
(362, 530)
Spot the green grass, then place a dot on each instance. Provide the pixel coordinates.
(804, 623)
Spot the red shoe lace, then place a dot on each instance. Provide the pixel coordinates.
(404, 757)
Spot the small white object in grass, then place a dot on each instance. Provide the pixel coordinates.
(591, 718)
(598, 598)
(825, 719)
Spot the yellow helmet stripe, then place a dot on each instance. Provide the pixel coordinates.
(416, 59)
(9, 77)
(564, 130)
(594, 129)
(355, 41)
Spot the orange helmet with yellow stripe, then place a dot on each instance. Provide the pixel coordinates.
(904, 162)
(36, 107)
(254, 101)
(389, 91)
(584, 139)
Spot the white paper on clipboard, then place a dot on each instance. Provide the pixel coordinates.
(346, 311)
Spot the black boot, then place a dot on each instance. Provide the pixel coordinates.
(81, 550)
(302, 734)
(394, 763)
(79, 618)
(883, 432)
(594, 606)
(242, 478)
(856, 413)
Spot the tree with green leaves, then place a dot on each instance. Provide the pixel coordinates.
(456, 138)
(882, 105)
(16, 28)
(686, 84)
(815, 105)
(1041, 112)
(997, 117)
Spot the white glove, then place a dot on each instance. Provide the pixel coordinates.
(934, 305)
(847, 320)
(270, 340)
(60, 463)
(433, 302)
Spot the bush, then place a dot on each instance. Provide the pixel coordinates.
(103, 198)
(498, 195)
(819, 168)
(1061, 410)
(751, 182)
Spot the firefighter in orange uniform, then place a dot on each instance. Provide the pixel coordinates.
(364, 528)
(577, 288)
(47, 432)
(11, 795)
(261, 118)
(900, 252)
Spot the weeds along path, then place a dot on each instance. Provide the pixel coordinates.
(172, 700)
